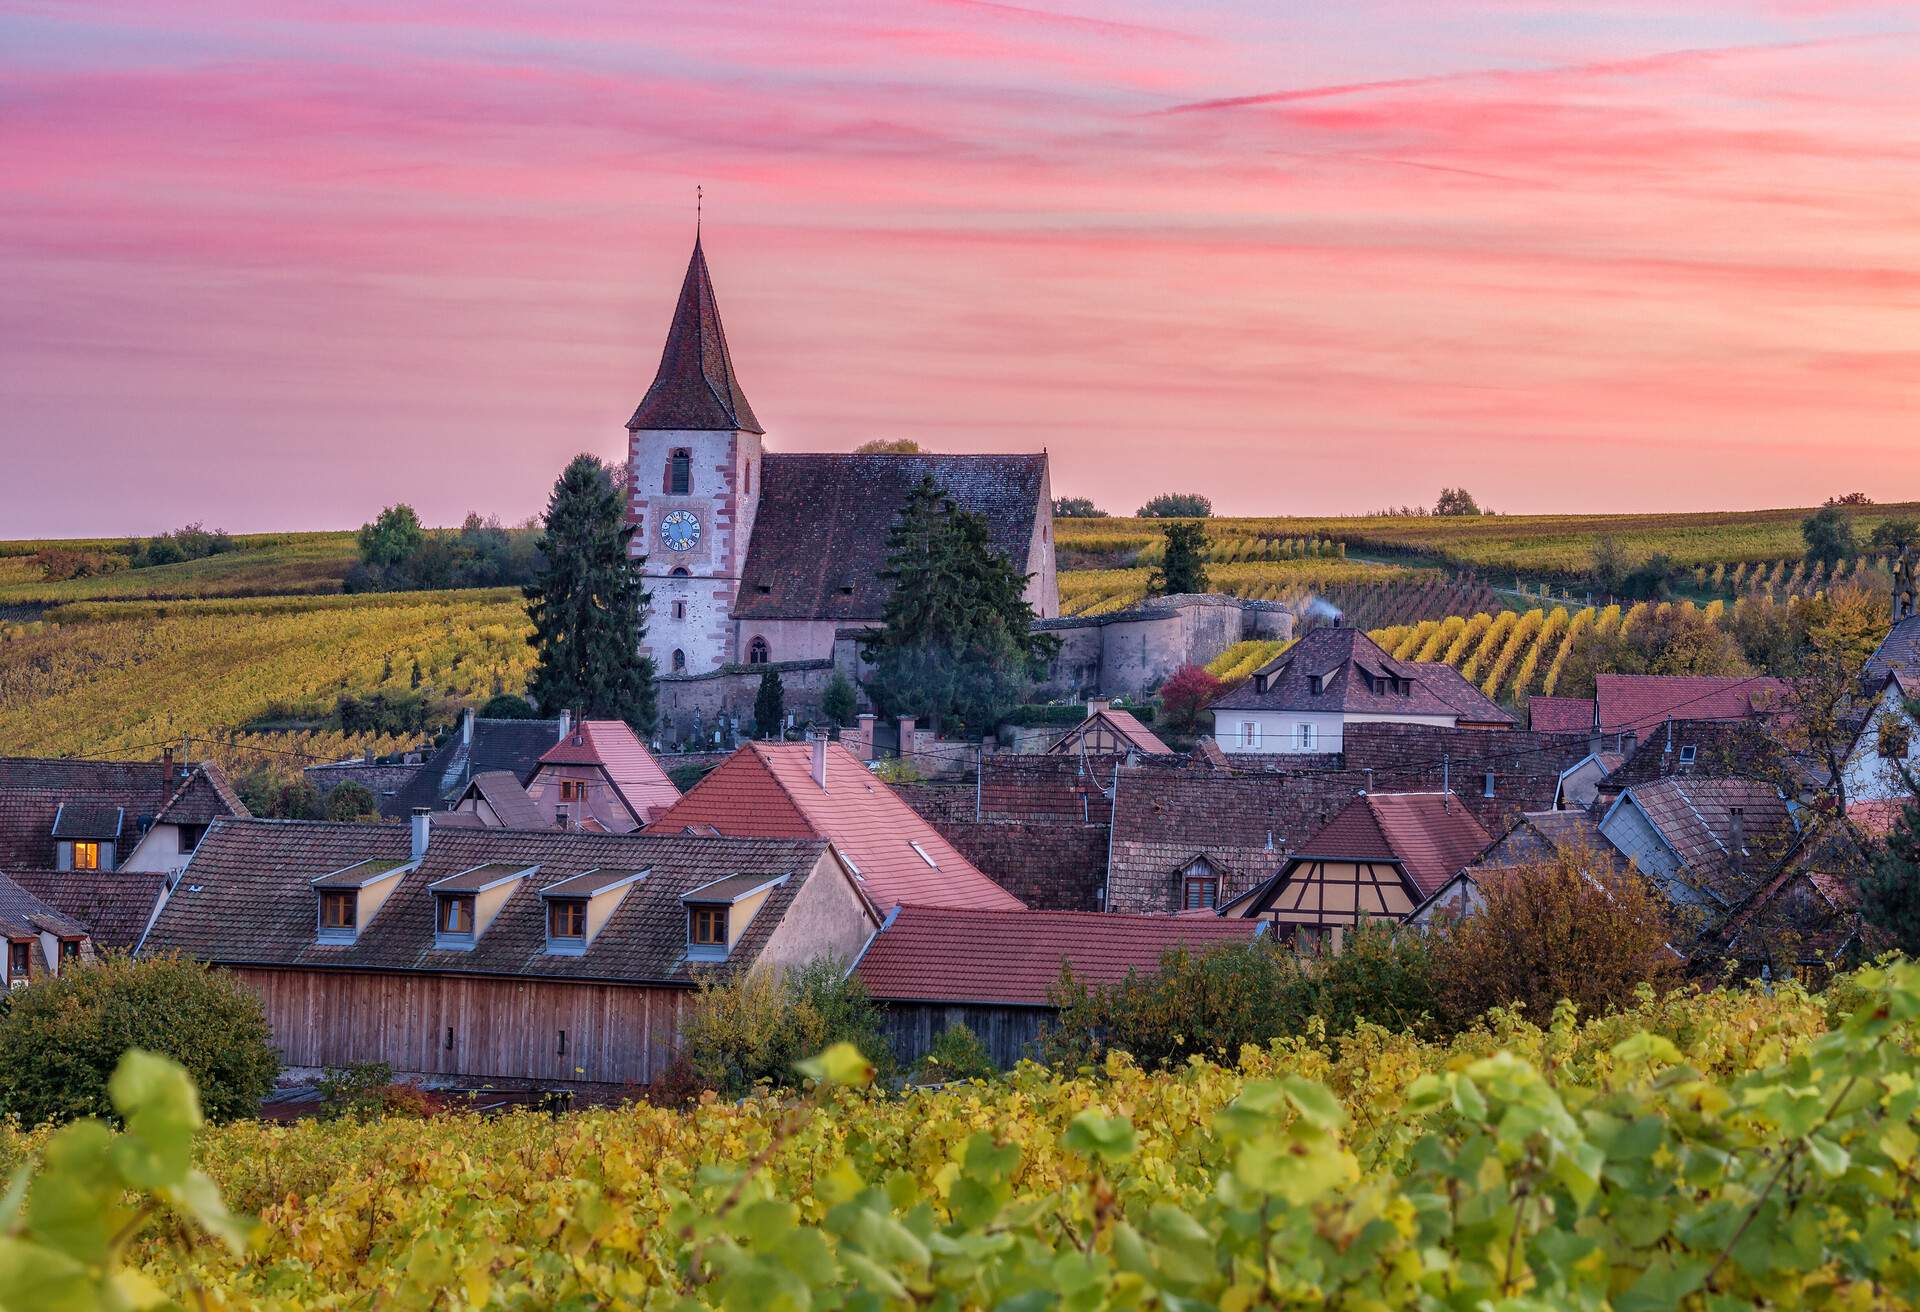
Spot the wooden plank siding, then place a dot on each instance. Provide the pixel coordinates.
(1009, 1032)
(466, 1028)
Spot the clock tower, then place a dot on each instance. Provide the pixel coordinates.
(694, 461)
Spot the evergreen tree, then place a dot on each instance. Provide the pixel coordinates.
(838, 703)
(1184, 566)
(769, 706)
(1890, 896)
(587, 605)
(957, 641)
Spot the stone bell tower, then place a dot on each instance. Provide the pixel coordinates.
(694, 457)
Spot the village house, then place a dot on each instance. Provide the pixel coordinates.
(755, 557)
(1705, 843)
(600, 776)
(1380, 858)
(931, 968)
(463, 954)
(820, 791)
(1534, 838)
(478, 745)
(1885, 751)
(1109, 731)
(1303, 700)
(39, 940)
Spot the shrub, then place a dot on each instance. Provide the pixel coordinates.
(1186, 693)
(61, 1037)
(956, 1054)
(365, 1091)
(1573, 926)
(1177, 505)
(194, 542)
(296, 800)
(1076, 508)
(750, 1029)
(351, 801)
(58, 564)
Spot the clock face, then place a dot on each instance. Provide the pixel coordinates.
(680, 530)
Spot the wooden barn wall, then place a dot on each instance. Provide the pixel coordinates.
(478, 1029)
(1009, 1033)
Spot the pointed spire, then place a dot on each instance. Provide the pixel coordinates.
(695, 387)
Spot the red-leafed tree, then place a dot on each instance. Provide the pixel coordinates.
(1186, 693)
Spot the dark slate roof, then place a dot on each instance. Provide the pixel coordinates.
(89, 820)
(820, 533)
(511, 745)
(114, 905)
(509, 799)
(1720, 748)
(695, 388)
(204, 797)
(1540, 835)
(1898, 651)
(1345, 658)
(246, 899)
(1694, 817)
(23, 915)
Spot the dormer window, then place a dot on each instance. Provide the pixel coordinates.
(86, 856)
(579, 906)
(719, 913)
(464, 905)
(1199, 886)
(1316, 684)
(347, 899)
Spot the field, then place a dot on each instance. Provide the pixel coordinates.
(98, 678)
(1550, 547)
(266, 564)
(1738, 1148)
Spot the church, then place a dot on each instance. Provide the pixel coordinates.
(755, 556)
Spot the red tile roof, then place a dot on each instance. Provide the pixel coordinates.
(616, 748)
(766, 790)
(1013, 958)
(1560, 714)
(1431, 836)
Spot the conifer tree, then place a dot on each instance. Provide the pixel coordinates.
(1184, 566)
(769, 706)
(957, 640)
(588, 606)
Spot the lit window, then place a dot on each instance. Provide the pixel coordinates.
(1201, 892)
(758, 653)
(338, 910)
(707, 926)
(680, 473)
(456, 914)
(567, 918)
(86, 856)
(1306, 737)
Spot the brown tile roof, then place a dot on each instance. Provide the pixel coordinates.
(1694, 818)
(1560, 714)
(767, 789)
(508, 798)
(1432, 837)
(695, 387)
(479, 877)
(1413, 757)
(246, 898)
(1356, 677)
(203, 798)
(33, 789)
(1639, 702)
(1014, 958)
(820, 533)
(114, 906)
(1124, 724)
(23, 915)
(1049, 865)
(1721, 748)
(1062, 788)
(613, 746)
(1541, 835)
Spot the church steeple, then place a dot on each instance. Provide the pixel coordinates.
(695, 388)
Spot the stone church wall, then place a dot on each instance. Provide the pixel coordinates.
(1131, 653)
(700, 703)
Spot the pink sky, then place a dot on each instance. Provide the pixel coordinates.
(275, 267)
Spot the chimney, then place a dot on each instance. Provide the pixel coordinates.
(1737, 839)
(1095, 705)
(166, 768)
(466, 727)
(422, 830)
(820, 761)
(566, 726)
(1369, 773)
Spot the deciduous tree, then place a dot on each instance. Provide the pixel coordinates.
(1456, 501)
(1076, 508)
(1186, 693)
(1177, 505)
(1829, 536)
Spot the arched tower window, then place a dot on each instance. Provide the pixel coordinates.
(680, 572)
(758, 653)
(679, 661)
(680, 472)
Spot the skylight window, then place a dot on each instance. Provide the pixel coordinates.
(915, 845)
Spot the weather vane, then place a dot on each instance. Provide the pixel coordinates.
(697, 200)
